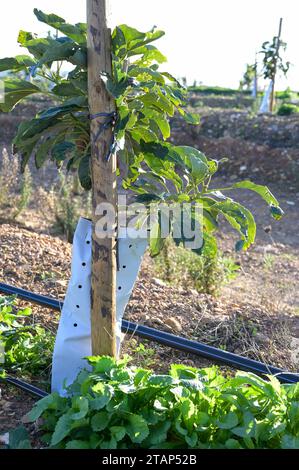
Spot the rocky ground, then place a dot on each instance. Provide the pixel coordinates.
(262, 147)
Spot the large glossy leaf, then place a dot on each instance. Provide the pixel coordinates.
(119, 42)
(210, 220)
(163, 125)
(276, 212)
(247, 428)
(158, 101)
(75, 32)
(84, 172)
(14, 91)
(157, 150)
(36, 46)
(195, 160)
(15, 64)
(156, 242)
(172, 79)
(65, 88)
(32, 129)
(191, 118)
(143, 134)
(117, 89)
(43, 151)
(164, 169)
(149, 37)
(79, 58)
(130, 34)
(29, 134)
(79, 81)
(240, 218)
(126, 39)
(58, 51)
(160, 120)
(263, 191)
(142, 72)
(58, 111)
(149, 54)
(62, 149)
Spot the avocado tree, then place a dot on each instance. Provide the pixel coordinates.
(146, 96)
(273, 61)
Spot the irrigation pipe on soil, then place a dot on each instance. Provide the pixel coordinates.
(162, 337)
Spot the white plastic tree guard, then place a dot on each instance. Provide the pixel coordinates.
(73, 340)
(254, 88)
(265, 105)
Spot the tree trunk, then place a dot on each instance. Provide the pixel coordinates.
(104, 188)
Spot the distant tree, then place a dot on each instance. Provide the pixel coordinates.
(184, 81)
(273, 61)
(248, 77)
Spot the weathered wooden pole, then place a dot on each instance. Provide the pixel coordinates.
(104, 189)
(272, 98)
(255, 78)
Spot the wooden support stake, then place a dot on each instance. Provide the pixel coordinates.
(272, 99)
(104, 189)
(255, 78)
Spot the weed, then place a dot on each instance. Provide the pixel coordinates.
(25, 193)
(68, 202)
(48, 276)
(15, 188)
(9, 175)
(269, 261)
(143, 355)
(206, 273)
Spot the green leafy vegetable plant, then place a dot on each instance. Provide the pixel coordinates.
(146, 96)
(27, 347)
(117, 407)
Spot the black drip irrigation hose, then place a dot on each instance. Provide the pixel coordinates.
(167, 339)
(209, 352)
(25, 386)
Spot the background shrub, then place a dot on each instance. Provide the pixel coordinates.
(286, 109)
(206, 273)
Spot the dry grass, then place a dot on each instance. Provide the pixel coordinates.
(15, 188)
